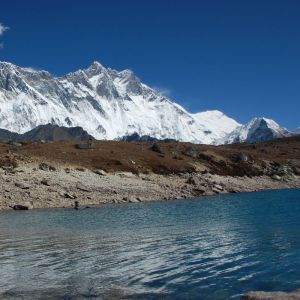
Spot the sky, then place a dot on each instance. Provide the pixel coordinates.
(240, 57)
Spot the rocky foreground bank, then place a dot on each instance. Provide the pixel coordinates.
(41, 186)
(41, 175)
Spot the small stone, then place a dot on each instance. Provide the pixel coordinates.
(67, 195)
(199, 191)
(193, 180)
(82, 187)
(45, 182)
(100, 172)
(276, 177)
(22, 185)
(218, 187)
(45, 167)
(131, 199)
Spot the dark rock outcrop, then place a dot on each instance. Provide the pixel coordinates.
(48, 132)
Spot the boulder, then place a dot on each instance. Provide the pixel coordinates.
(19, 207)
(156, 148)
(239, 157)
(191, 152)
(296, 170)
(85, 146)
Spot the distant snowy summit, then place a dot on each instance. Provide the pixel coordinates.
(297, 131)
(257, 130)
(109, 105)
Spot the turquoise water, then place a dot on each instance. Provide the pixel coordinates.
(211, 248)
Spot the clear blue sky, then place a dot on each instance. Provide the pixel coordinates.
(241, 57)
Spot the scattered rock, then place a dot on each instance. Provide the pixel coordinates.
(16, 144)
(193, 180)
(82, 187)
(100, 172)
(126, 174)
(276, 177)
(19, 207)
(191, 152)
(217, 191)
(218, 187)
(45, 167)
(45, 182)
(178, 157)
(89, 145)
(131, 199)
(296, 170)
(67, 195)
(76, 205)
(156, 148)
(199, 191)
(239, 157)
(22, 185)
(80, 169)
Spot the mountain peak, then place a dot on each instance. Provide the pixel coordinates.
(257, 130)
(96, 64)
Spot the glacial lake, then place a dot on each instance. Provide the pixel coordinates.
(211, 248)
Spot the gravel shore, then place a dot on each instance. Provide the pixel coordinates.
(43, 186)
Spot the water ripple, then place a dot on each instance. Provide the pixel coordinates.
(212, 249)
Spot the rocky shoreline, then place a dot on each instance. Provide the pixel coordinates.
(41, 175)
(272, 296)
(47, 186)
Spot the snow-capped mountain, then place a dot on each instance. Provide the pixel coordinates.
(257, 130)
(297, 131)
(106, 103)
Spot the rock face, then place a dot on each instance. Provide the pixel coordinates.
(257, 130)
(106, 103)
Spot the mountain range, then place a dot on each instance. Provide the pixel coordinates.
(109, 105)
